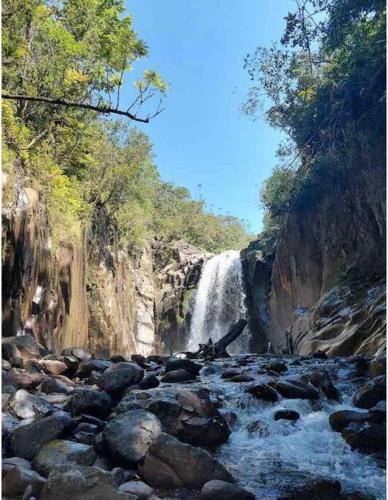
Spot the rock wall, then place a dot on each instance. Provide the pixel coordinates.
(93, 294)
(327, 286)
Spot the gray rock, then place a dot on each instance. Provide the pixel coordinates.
(321, 380)
(138, 488)
(222, 490)
(72, 482)
(25, 441)
(119, 376)
(172, 464)
(275, 367)
(183, 364)
(96, 403)
(86, 368)
(342, 418)
(371, 393)
(53, 366)
(8, 383)
(175, 376)
(149, 382)
(242, 377)
(78, 352)
(286, 415)
(364, 437)
(22, 404)
(263, 391)
(128, 436)
(52, 385)
(61, 452)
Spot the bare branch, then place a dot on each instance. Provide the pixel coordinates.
(66, 103)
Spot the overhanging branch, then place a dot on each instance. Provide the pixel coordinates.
(64, 102)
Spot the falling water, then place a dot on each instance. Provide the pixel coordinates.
(219, 302)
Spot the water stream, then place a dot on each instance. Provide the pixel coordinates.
(219, 302)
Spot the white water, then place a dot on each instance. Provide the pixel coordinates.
(219, 302)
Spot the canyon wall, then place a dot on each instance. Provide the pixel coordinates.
(326, 290)
(93, 293)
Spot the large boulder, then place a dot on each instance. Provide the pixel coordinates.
(77, 352)
(18, 478)
(263, 391)
(26, 440)
(364, 437)
(183, 364)
(222, 490)
(172, 464)
(53, 366)
(96, 403)
(296, 389)
(342, 418)
(176, 376)
(61, 452)
(320, 489)
(119, 376)
(81, 483)
(86, 368)
(286, 415)
(128, 436)
(25, 344)
(22, 404)
(371, 393)
(27, 380)
(321, 380)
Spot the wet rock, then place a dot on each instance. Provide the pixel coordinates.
(117, 358)
(140, 360)
(119, 376)
(170, 463)
(321, 380)
(371, 393)
(258, 427)
(86, 368)
(8, 463)
(230, 373)
(77, 352)
(322, 489)
(378, 366)
(286, 415)
(53, 367)
(378, 413)
(341, 419)
(183, 364)
(22, 404)
(138, 488)
(25, 441)
(52, 385)
(8, 383)
(18, 478)
(8, 423)
(25, 344)
(72, 364)
(97, 403)
(222, 490)
(61, 452)
(81, 483)
(149, 382)
(319, 355)
(275, 367)
(295, 389)
(176, 376)
(128, 436)
(9, 351)
(263, 391)
(364, 437)
(242, 377)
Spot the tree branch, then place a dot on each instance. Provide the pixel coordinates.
(64, 102)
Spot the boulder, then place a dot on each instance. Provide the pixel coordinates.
(26, 440)
(172, 464)
(140, 360)
(371, 393)
(18, 478)
(149, 382)
(222, 490)
(183, 364)
(25, 344)
(22, 404)
(86, 368)
(321, 380)
(342, 418)
(77, 352)
(117, 358)
(119, 376)
(378, 413)
(230, 373)
(275, 367)
(128, 436)
(175, 376)
(263, 391)
(27, 380)
(53, 367)
(296, 389)
(321, 489)
(96, 403)
(242, 377)
(61, 452)
(378, 366)
(8, 383)
(81, 483)
(51, 385)
(286, 415)
(364, 437)
(138, 488)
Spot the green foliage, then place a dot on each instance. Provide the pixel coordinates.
(325, 89)
(83, 166)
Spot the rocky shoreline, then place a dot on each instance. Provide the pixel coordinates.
(163, 427)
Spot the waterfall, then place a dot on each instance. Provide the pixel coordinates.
(219, 302)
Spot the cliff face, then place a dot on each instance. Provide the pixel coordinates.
(93, 294)
(326, 290)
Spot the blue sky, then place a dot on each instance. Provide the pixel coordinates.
(198, 46)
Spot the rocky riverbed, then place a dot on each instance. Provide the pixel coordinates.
(251, 426)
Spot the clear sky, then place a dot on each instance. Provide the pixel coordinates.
(198, 46)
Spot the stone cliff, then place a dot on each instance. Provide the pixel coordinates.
(93, 294)
(326, 290)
